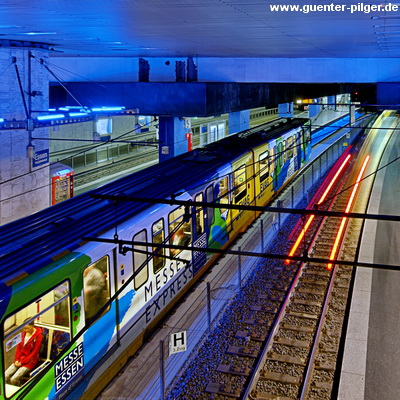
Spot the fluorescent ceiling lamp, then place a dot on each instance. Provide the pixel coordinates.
(77, 114)
(108, 108)
(47, 117)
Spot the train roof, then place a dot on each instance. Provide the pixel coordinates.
(31, 242)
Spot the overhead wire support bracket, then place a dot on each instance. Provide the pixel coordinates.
(299, 211)
(282, 257)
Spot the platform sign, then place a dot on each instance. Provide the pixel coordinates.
(177, 342)
(40, 157)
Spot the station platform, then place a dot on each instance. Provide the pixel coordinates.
(371, 368)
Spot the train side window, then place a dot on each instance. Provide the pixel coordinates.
(96, 287)
(264, 165)
(289, 147)
(139, 259)
(284, 151)
(199, 215)
(223, 194)
(280, 154)
(34, 336)
(272, 156)
(158, 238)
(239, 183)
(182, 235)
(210, 211)
(294, 146)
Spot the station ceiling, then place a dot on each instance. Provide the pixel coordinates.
(202, 28)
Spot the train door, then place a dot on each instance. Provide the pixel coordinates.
(242, 190)
(100, 315)
(199, 235)
(263, 167)
(180, 230)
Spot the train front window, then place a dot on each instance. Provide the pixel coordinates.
(264, 166)
(34, 336)
(96, 288)
(139, 258)
(239, 183)
(158, 239)
(181, 231)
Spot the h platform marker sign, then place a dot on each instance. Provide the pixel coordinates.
(177, 342)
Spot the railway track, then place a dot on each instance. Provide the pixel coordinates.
(115, 167)
(281, 338)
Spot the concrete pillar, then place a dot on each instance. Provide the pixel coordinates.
(239, 121)
(331, 102)
(173, 137)
(285, 110)
(24, 181)
(313, 110)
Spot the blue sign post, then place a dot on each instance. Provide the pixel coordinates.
(40, 157)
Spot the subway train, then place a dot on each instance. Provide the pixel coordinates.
(73, 310)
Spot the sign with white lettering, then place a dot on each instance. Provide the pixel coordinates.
(40, 157)
(68, 369)
(177, 342)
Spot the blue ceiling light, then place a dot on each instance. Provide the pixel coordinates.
(1, 120)
(104, 109)
(49, 117)
(78, 114)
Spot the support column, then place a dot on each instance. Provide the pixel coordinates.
(24, 175)
(313, 110)
(173, 137)
(239, 121)
(331, 102)
(285, 110)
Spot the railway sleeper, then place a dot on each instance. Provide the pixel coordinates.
(311, 291)
(327, 385)
(307, 302)
(269, 396)
(292, 342)
(310, 271)
(306, 329)
(283, 378)
(223, 389)
(243, 351)
(233, 370)
(282, 287)
(254, 321)
(257, 337)
(267, 309)
(319, 283)
(287, 359)
(302, 315)
(325, 366)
